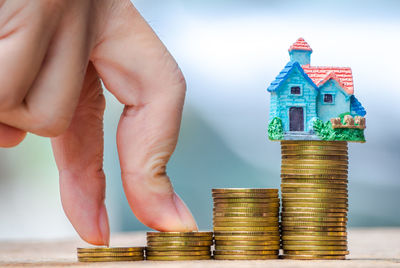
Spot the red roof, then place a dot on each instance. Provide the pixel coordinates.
(300, 44)
(320, 75)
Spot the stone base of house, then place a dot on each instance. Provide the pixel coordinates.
(294, 135)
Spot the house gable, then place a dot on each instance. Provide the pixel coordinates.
(332, 100)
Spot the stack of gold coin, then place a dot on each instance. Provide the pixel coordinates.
(105, 254)
(179, 246)
(314, 199)
(246, 224)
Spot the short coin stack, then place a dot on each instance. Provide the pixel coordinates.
(105, 254)
(314, 199)
(179, 246)
(246, 224)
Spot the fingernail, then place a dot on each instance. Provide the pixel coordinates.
(103, 225)
(185, 215)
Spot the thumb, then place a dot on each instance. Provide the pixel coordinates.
(137, 68)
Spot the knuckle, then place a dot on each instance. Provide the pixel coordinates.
(52, 124)
(9, 100)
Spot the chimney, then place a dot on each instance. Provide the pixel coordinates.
(300, 51)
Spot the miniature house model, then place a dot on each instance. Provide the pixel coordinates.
(313, 102)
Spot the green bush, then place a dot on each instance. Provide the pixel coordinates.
(327, 133)
(275, 129)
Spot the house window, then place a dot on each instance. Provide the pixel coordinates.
(295, 90)
(328, 98)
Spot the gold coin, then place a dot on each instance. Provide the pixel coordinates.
(209, 234)
(247, 215)
(313, 152)
(314, 162)
(312, 219)
(179, 243)
(311, 176)
(313, 190)
(313, 142)
(312, 223)
(178, 258)
(245, 257)
(314, 214)
(179, 248)
(246, 219)
(313, 247)
(315, 183)
(245, 252)
(108, 249)
(246, 200)
(244, 190)
(178, 253)
(316, 157)
(246, 205)
(245, 195)
(315, 195)
(316, 204)
(181, 238)
(320, 171)
(110, 259)
(246, 233)
(316, 252)
(248, 248)
(315, 146)
(313, 257)
(314, 228)
(235, 238)
(245, 224)
(110, 254)
(299, 237)
(246, 210)
(266, 242)
(314, 210)
(320, 200)
(242, 228)
(315, 243)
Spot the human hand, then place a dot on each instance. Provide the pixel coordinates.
(53, 54)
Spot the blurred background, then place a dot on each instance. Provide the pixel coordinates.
(229, 52)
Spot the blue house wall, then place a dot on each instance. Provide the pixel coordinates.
(282, 100)
(339, 105)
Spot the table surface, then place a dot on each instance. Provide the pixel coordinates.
(369, 247)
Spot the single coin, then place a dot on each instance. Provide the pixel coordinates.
(315, 243)
(244, 190)
(177, 238)
(315, 195)
(246, 200)
(257, 247)
(320, 171)
(337, 152)
(317, 252)
(246, 210)
(322, 204)
(180, 234)
(177, 253)
(244, 233)
(110, 259)
(110, 254)
(245, 252)
(179, 248)
(247, 219)
(314, 214)
(315, 183)
(312, 219)
(245, 257)
(313, 233)
(315, 157)
(287, 237)
(245, 195)
(319, 200)
(314, 147)
(311, 176)
(245, 224)
(314, 210)
(314, 228)
(177, 258)
(314, 190)
(313, 247)
(244, 214)
(314, 161)
(312, 223)
(240, 228)
(313, 257)
(266, 242)
(180, 243)
(110, 249)
(235, 238)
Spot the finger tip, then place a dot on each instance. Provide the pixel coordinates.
(186, 217)
(104, 226)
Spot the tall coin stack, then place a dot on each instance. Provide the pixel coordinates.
(246, 224)
(314, 199)
(178, 246)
